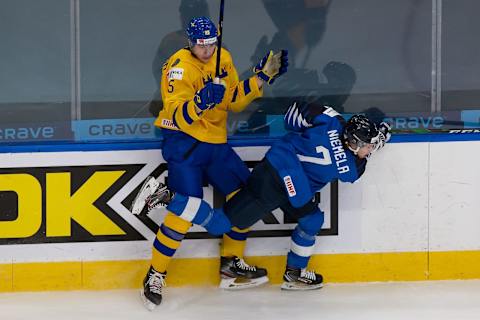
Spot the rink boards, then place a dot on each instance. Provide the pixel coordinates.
(66, 225)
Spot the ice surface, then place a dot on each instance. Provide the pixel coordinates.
(437, 300)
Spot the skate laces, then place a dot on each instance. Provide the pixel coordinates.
(160, 198)
(156, 281)
(308, 274)
(244, 266)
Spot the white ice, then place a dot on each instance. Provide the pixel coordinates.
(439, 300)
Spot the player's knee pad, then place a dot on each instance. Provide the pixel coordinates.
(199, 212)
(312, 223)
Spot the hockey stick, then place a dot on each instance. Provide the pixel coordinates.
(219, 41)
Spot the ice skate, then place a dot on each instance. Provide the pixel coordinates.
(160, 198)
(237, 274)
(151, 293)
(301, 279)
(153, 194)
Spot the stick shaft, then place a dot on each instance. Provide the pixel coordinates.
(220, 36)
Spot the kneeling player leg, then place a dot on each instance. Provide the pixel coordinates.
(296, 276)
(245, 209)
(198, 211)
(303, 239)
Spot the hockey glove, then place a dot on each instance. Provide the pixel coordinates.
(209, 96)
(272, 66)
(384, 135)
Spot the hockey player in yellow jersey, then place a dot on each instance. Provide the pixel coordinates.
(185, 74)
(193, 122)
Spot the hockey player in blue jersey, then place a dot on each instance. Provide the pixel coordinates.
(320, 148)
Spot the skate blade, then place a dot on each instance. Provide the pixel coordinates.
(147, 189)
(239, 284)
(147, 303)
(300, 287)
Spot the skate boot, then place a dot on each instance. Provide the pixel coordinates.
(153, 194)
(151, 293)
(301, 279)
(237, 274)
(160, 198)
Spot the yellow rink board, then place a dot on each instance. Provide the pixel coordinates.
(365, 267)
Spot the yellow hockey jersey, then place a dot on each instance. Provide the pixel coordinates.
(182, 76)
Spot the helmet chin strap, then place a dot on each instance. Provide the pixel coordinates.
(355, 151)
(349, 146)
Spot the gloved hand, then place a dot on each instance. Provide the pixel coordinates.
(383, 134)
(217, 223)
(385, 129)
(209, 96)
(297, 117)
(272, 66)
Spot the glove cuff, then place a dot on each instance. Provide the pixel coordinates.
(262, 75)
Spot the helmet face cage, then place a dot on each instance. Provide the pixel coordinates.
(201, 31)
(360, 132)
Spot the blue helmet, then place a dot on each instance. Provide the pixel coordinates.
(202, 31)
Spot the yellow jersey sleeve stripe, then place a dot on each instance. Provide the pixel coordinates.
(192, 112)
(235, 95)
(186, 115)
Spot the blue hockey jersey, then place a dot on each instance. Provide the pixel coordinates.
(308, 160)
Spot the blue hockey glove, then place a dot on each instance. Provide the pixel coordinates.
(296, 117)
(209, 96)
(217, 223)
(272, 66)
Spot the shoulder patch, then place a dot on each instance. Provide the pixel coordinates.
(175, 74)
(289, 185)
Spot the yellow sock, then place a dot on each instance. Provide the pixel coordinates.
(168, 239)
(231, 194)
(234, 243)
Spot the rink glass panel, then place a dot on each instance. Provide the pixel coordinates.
(460, 60)
(89, 70)
(35, 71)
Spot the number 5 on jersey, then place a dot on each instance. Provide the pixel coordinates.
(170, 85)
